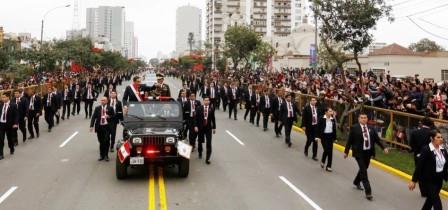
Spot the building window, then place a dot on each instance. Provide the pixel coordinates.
(445, 74)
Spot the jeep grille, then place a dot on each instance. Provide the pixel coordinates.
(154, 140)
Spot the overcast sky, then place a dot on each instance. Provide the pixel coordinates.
(155, 20)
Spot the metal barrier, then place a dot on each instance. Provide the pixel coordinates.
(40, 89)
(396, 133)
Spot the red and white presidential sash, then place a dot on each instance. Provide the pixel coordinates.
(136, 93)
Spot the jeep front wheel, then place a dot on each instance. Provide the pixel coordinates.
(120, 169)
(184, 167)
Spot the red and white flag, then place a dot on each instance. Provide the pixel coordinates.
(125, 151)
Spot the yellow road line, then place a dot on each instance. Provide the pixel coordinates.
(162, 195)
(151, 191)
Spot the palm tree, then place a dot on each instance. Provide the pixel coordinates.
(191, 41)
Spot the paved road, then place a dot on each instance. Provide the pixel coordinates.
(250, 169)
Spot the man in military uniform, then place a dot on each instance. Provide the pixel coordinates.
(160, 87)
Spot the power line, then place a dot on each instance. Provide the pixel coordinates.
(428, 32)
(403, 2)
(427, 10)
(438, 26)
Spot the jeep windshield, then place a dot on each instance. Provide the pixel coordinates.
(159, 111)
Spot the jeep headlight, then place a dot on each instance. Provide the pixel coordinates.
(170, 140)
(137, 140)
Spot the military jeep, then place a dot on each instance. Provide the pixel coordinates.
(153, 131)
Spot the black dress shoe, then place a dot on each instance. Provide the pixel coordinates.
(16, 144)
(111, 149)
(369, 197)
(289, 144)
(38, 135)
(306, 153)
(12, 152)
(106, 159)
(31, 137)
(358, 187)
(100, 159)
(49, 130)
(1, 157)
(207, 162)
(200, 156)
(315, 159)
(265, 129)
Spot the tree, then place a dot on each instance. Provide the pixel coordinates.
(240, 42)
(425, 45)
(263, 54)
(191, 41)
(349, 23)
(154, 61)
(333, 58)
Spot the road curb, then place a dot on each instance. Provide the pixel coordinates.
(376, 163)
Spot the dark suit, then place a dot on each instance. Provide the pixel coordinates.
(22, 109)
(88, 99)
(183, 102)
(190, 117)
(311, 127)
(115, 120)
(34, 112)
(224, 98)
(248, 98)
(129, 94)
(50, 108)
(6, 128)
(276, 106)
(327, 139)
(205, 127)
(233, 94)
(58, 96)
(288, 119)
(356, 143)
(265, 109)
(102, 131)
(67, 98)
(425, 172)
(77, 96)
(419, 139)
(214, 97)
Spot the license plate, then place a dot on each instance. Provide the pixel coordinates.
(137, 161)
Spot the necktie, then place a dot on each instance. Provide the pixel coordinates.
(267, 102)
(205, 116)
(192, 109)
(213, 93)
(113, 103)
(313, 109)
(17, 100)
(32, 103)
(366, 137)
(103, 116)
(290, 110)
(5, 108)
(279, 103)
(49, 99)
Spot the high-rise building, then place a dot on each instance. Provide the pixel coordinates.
(259, 17)
(282, 17)
(215, 22)
(1, 36)
(299, 12)
(135, 47)
(188, 20)
(129, 40)
(108, 22)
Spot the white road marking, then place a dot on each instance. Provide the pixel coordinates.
(234, 137)
(64, 160)
(69, 138)
(296, 190)
(7, 194)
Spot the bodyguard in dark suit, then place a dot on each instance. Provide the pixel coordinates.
(205, 125)
(310, 119)
(115, 120)
(362, 139)
(254, 105)
(22, 110)
(418, 140)
(183, 99)
(224, 97)
(9, 119)
(67, 98)
(58, 96)
(214, 96)
(50, 108)
(89, 96)
(277, 103)
(77, 96)
(34, 112)
(190, 110)
(233, 94)
(431, 169)
(327, 135)
(108, 92)
(288, 112)
(248, 95)
(265, 108)
(101, 121)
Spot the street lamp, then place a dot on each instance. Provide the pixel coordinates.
(42, 30)
(42, 26)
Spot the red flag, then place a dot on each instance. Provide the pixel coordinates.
(198, 67)
(125, 151)
(76, 68)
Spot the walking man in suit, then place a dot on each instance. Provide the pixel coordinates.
(190, 109)
(9, 120)
(50, 108)
(224, 97)
(247, 98)
(265, 108)
(67, 97)
(233, 95)
(362, 139)
(115, 120)
(34, 112)
(101, 124)
(89, 97)
(288, 112)
(310, 120)
(22, 110)
(77, 94)
(205, 125)
(276, 106)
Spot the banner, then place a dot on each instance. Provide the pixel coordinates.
(313, 56)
